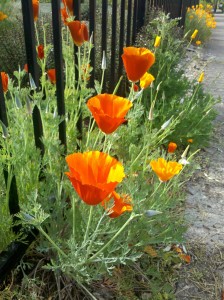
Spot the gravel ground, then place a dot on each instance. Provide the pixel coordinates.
(203, 278)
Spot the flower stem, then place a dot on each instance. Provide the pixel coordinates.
(51, 241)
(117, 86)
(89, 222)
(73, 218)
(114, 237)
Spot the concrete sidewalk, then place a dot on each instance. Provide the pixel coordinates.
(214, 76)
(203, 278)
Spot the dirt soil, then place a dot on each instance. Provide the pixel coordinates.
(203, 278)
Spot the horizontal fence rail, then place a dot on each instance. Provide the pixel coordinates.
(129, 17)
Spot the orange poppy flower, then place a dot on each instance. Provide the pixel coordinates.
(69, 4)
(172, 147)
(35, 9)
(146, 80)
(79, 32)
(190, 140)
(136, 88)
(121, 205)
(40, 51)
(2, 16)
(51, 73)
(165, 170)
(94, 175)
(64, 15)
(109, 111)
(137, 61)
(25, 68)
(5, 80)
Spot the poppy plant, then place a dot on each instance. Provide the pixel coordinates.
(35, 9)
(146, 80)
(40, 51)
(165, 170)
(120, 205)
(51, 73)
(79, 32)
(5, 80)
(94, 175)
(137, 61)
(172, 147)
(109, 111)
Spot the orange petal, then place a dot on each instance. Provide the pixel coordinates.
(109, 111)
(35, 9)
(137, 61)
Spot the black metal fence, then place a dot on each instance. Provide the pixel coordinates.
(131, 18)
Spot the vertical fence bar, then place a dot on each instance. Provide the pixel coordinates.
(185, 5)
(38, 129)
(3, 113)
(29, 35)
(13, 195)
(129, 17)
(140, 14)
(57, 41)
(134, 24)
(113, 46)
(92, 27)
(121, 39)
(104, 32)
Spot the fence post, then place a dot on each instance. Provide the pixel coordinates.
(183, 12)
(57, 40)
(140, 14)
(129, 17)
(92, 26)
(29, 35)
(104, 33)
(113, 46)
(134, 24)
(121, 39)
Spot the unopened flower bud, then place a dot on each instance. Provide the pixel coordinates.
(32, 83)
(166, 124)
(104, 63)
(18, 102)
(5, 133)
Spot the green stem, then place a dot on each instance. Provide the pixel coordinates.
(96, 139)
(114, 237)
(117, 86)
(88, 224)
(51, 241)
(73, 218)
(89, 131)
(131, 92)
(94, 236)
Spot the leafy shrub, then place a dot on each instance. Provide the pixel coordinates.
(199, 18)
